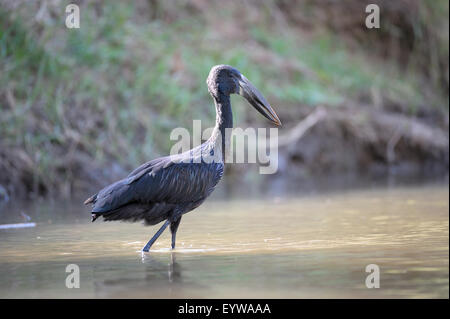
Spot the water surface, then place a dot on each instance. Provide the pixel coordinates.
(315, 247)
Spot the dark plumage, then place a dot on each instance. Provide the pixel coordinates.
(166, 188)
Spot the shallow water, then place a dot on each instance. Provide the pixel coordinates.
(315, 247)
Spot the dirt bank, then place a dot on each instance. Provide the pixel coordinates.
(80, 108)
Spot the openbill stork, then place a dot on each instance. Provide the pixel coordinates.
(166, 188)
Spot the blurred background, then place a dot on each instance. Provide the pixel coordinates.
(365, 181)
(81, 107)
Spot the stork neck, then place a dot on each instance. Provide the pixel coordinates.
(224, 120)
(224, 115)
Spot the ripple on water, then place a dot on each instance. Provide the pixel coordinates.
(289, 248)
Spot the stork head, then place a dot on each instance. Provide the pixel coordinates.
(224, 79)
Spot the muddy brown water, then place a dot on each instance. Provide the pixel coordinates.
(311, 247)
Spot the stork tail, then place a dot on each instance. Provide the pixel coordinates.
(90, 199)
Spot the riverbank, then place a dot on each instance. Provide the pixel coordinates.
(82, 107)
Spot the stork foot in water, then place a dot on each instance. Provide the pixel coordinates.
(155, 237)
(173, 229)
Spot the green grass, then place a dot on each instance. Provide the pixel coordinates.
(120, 80)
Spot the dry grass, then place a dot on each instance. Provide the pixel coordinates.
(80, 107)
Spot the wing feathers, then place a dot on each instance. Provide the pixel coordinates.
(158, 181)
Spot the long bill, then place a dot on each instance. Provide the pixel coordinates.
(255, 98)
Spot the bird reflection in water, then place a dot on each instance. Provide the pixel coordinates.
(173, 267)
(158, 279)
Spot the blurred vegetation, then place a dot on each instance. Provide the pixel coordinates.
(108, 94)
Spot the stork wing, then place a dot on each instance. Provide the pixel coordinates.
(160, 181)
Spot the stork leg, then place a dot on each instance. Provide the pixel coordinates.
(155, 237)
(173, 229)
